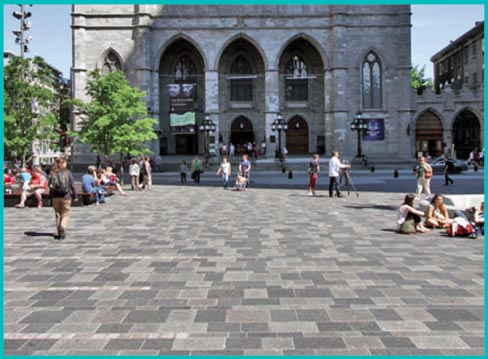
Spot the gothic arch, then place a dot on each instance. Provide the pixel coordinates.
(171, 41)
(230, 41)
(429, 133)
(297, 136)
(466, 132)
(116, 57)
(311, 40)
(370, 101)
(241, 132)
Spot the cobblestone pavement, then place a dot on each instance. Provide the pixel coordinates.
(199, 270)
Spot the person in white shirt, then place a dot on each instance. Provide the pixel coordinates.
(224, 169)
(335, 166)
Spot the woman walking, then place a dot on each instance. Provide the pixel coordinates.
(313, 170)
(224, 169)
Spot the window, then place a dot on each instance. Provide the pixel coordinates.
(111, 63)
(466, 55)
(474, 48)
(241, 80)
(185, 70)
(296, 80)
(372, 83)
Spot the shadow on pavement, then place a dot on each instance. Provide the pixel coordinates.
(375, 206)
(39, 234)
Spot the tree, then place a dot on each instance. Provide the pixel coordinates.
(111, 121)
(29, 101)
(419, 82)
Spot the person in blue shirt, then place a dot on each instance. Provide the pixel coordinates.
(89, 185)
(245, 169)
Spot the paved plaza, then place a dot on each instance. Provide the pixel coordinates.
(199, 270)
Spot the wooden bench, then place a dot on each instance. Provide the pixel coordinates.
(13, 199)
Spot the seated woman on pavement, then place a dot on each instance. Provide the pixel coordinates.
(90, 184)
(36, 186)
(437, 215)
(107, 178)
(408, 218)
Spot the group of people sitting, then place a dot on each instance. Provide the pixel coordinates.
(409, 219)
(33, 183)
(97, 181)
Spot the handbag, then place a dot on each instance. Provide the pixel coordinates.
(408, 227)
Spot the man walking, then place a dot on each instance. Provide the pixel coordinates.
(423, 172)
(448, 168)
(335, 166)
(225, 170)
(62, 189)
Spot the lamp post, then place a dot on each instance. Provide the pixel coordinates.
(279, 125)
(24, 26)
(207, 126)
(359, 124)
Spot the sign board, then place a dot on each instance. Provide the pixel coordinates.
(182, 123)
(182, 97)
(375, 130)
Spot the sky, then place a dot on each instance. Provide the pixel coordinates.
(433, 27)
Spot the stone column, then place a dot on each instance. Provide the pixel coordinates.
(142, 57)
(271, 108)
(212, 107)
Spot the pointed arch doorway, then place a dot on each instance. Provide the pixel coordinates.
(297, 136)
(241, 133)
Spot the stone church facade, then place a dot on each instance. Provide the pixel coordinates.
(316, 65)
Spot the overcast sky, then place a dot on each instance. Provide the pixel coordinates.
(433, 26)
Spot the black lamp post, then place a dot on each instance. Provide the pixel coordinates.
(359, 124)
(207, 126)
(279, 125)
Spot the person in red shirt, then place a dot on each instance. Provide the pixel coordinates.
(37, 186)
(7, 178)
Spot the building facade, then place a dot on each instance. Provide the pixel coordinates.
(317, 65)
(450, 118)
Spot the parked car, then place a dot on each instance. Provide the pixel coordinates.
(439, 163)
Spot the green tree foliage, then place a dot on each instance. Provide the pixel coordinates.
(112, 120)
(29, 102)
(419, 82)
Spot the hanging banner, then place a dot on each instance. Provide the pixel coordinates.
(182, 97)
(182, 123)
(375, 130)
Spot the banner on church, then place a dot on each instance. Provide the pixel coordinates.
(375, 130)
(182, 123)
(182, 98)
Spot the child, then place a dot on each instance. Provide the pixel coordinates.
(183, 170)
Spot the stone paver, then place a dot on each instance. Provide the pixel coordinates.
(202, 271)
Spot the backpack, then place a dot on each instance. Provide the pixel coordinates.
(459, 228)
(59, 183)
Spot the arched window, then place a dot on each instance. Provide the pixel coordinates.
(241, 80)
(371, 82)
(111, 63)
(296, 80)
(185, 69)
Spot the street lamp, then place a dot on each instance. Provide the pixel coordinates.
(25, 25)
(279, 125)
(359, 124)
(207, 126)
